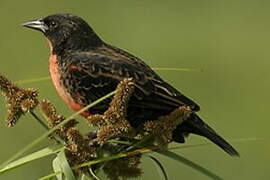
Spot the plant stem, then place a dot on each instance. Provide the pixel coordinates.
(144, 140)
(119, 142)
(39, 120)
(57, 138)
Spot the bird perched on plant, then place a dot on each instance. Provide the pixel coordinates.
(84, 68)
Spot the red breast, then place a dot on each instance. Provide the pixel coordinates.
(55, 75)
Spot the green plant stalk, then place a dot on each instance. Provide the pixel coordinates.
(36, 141)
(93, 174)
(57, 137)
(39, 120)
(119, 142)
(20, 82)
(144, 140)
(117, 156)
(50, 176)
(159, 165)
(176, 69)
(189, 163)
(45, 78)
(47, 128)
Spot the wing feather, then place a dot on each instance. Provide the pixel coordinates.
(98, 73)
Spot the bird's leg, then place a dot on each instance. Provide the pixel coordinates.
(113, 122)
(163, 127)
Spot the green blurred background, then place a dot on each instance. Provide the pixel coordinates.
(228, 40)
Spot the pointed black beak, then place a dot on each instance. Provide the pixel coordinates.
(37, 25)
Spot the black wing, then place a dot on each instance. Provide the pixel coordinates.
(94, 74)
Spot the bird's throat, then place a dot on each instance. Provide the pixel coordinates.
(50, 45)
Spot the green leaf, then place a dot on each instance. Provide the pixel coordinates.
(191, 164)
(65, 166)
(31, 157)
(57, 168)
(161, 169)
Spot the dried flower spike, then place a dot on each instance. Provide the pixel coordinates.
(54, 119)
(113, 122)
(123, 168)
(77, 146)
(78, 149)
(19, 101)
(163, 127)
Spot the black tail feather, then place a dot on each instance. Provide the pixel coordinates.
(196, 126)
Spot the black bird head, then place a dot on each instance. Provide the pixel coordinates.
(66, 32)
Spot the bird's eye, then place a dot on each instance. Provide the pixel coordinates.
(53, 24)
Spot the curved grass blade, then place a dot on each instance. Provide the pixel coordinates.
(31, 157)
(141, 142)
(43, 124)
(85, 177)
(191, 164)
(37, 140)
(119, 142)
(159, 166)
(45, 78)
(116, 156)
(93, 174)
(65, 166)
(210, 143)
(20, 82)
(176, 69)
(57, 168)
(50, 176)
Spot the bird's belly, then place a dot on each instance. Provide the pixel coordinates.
(55, 75)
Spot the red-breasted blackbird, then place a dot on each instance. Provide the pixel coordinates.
(84, 68)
